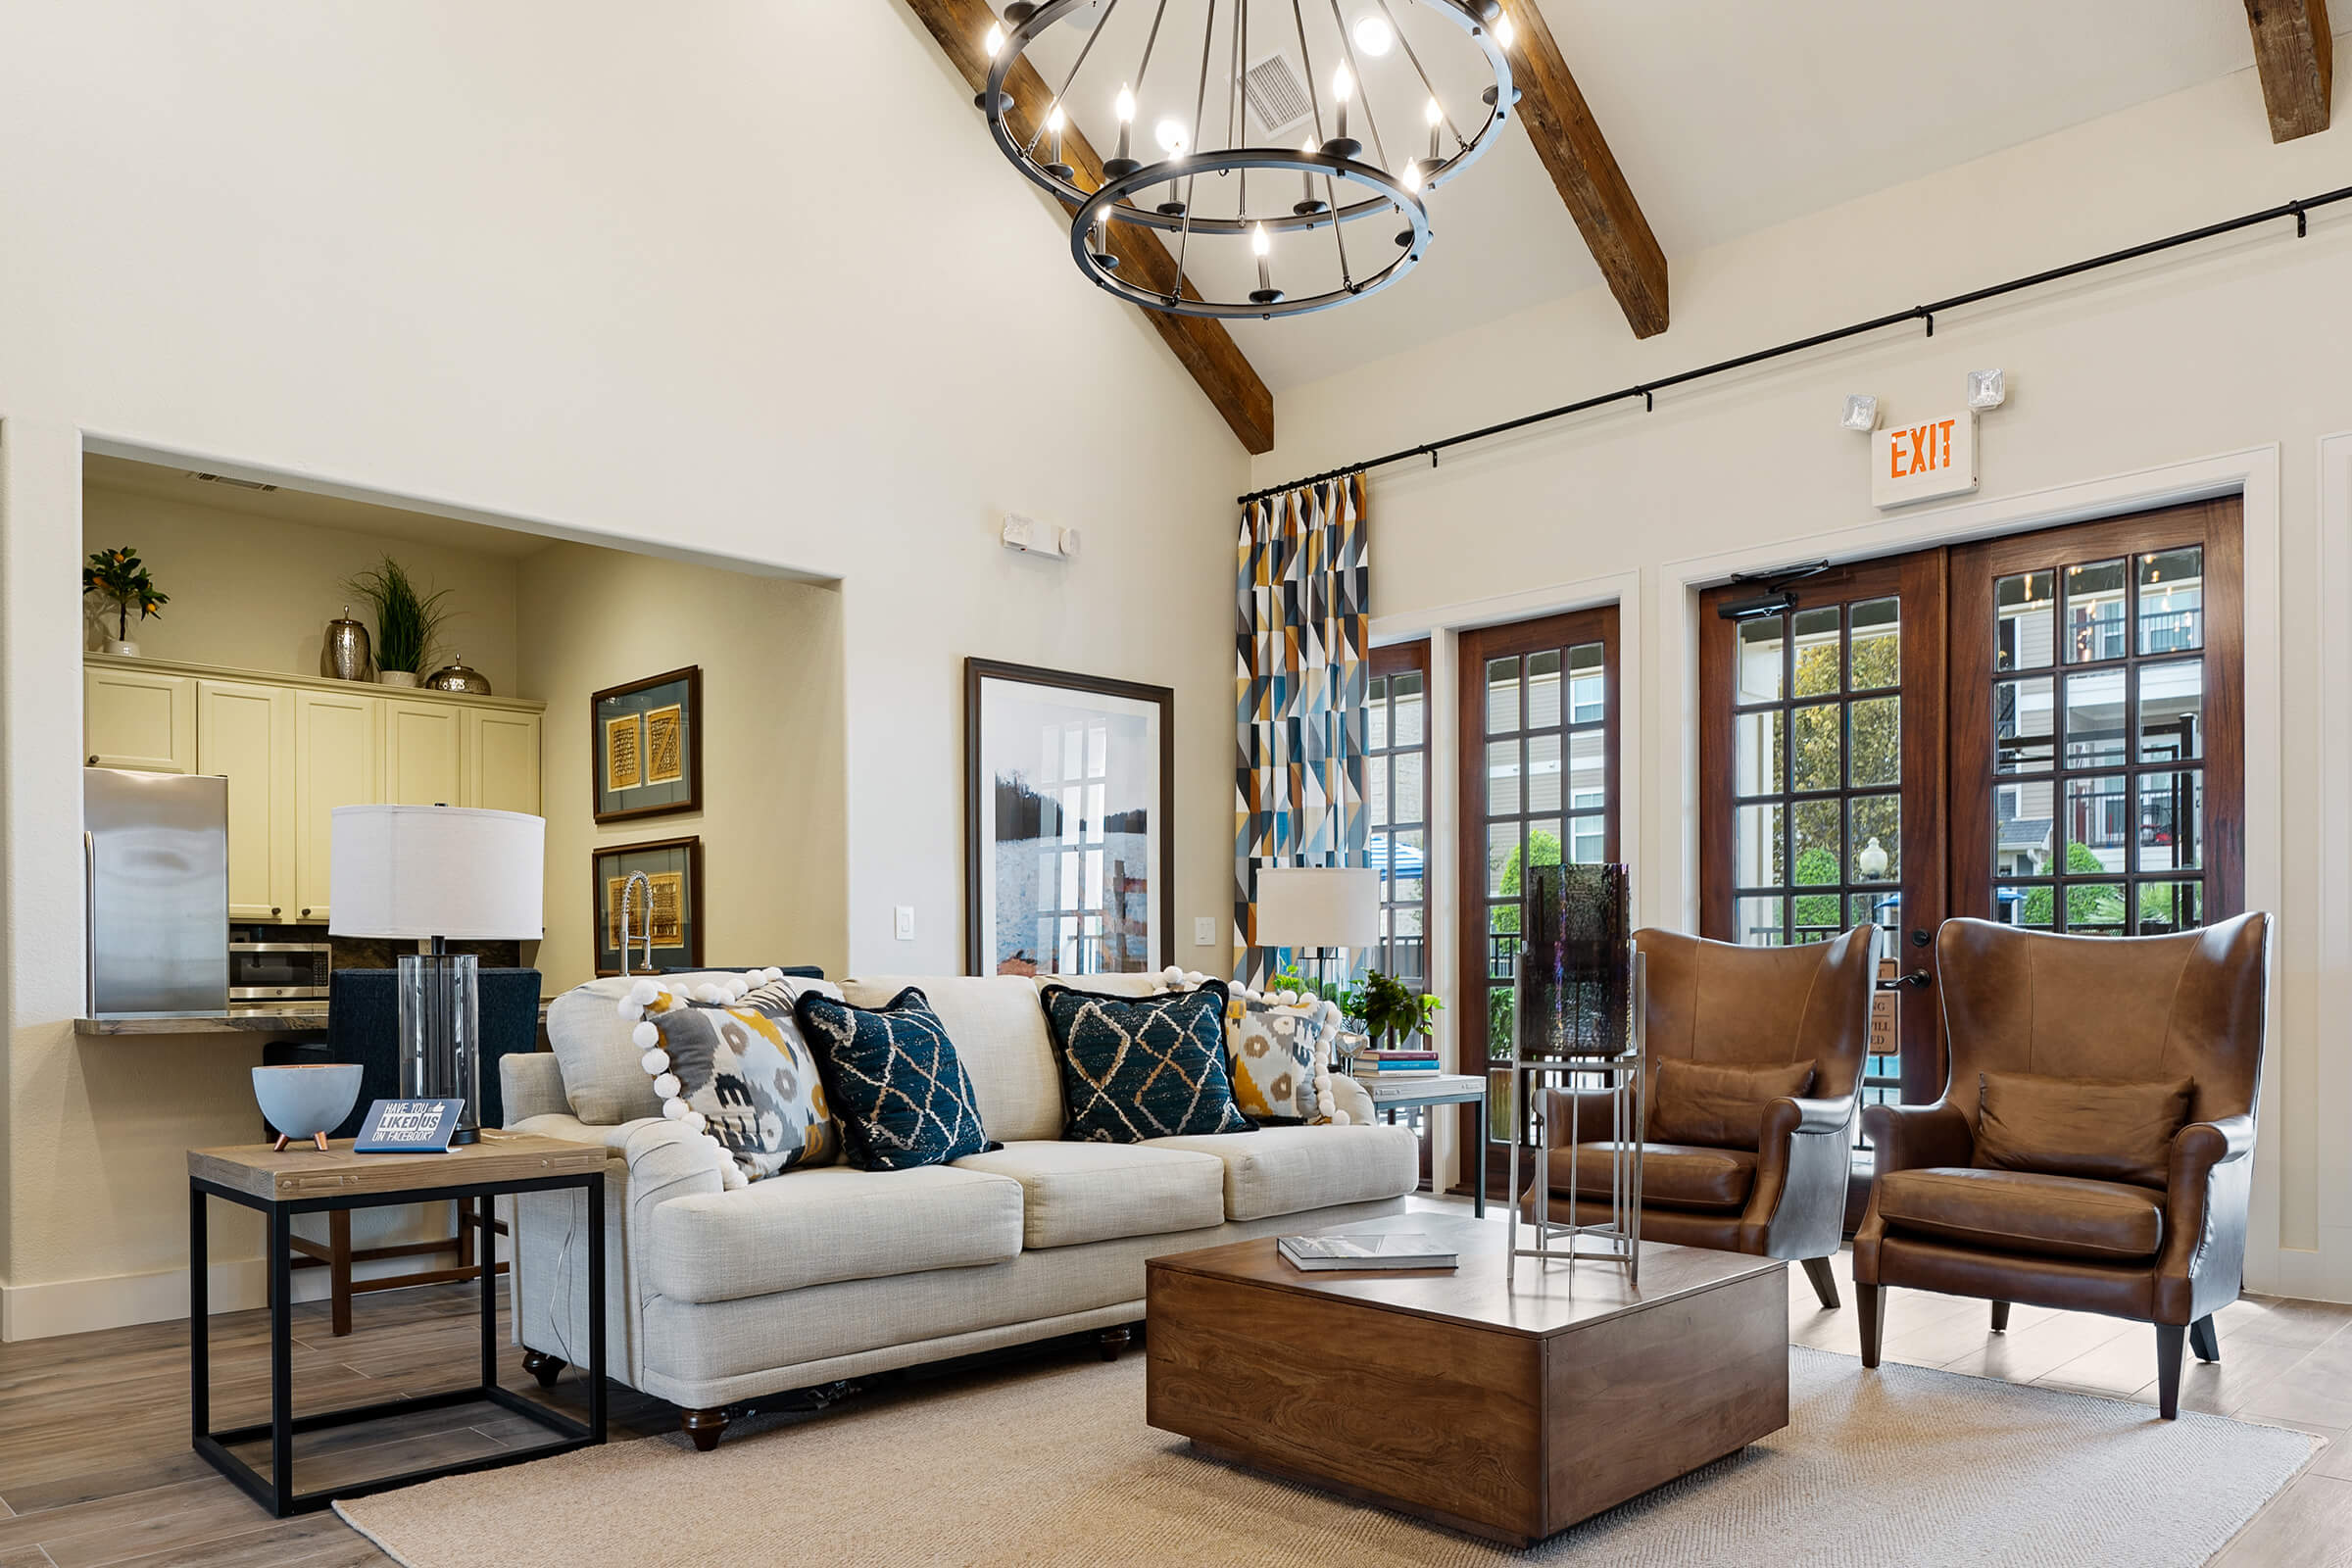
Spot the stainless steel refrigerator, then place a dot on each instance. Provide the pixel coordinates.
(155, 850)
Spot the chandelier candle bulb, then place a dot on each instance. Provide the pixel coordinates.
(1434, 115)
(1124, 164)
(1342, 85)
(1259, 244)
(995, 39)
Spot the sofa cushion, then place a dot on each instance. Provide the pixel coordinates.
(741, 1072)
(1720, 1105)
(895, 1082)
(602, 1075)
(1275, 1056)
(1288, 1170)
(2021, 1211)
(1139, 1067)
(1073, 1192)
(1674, 1175)
(816, 1227)
(2099, 1129)
(1000, 1036)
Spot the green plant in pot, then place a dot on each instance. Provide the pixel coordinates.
(124, 582)
(1392, 1010)
(408, 623)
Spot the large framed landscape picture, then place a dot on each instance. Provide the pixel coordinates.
(1069, 850)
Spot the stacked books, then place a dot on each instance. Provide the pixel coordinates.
(1403, 1250)
(1396, 1061)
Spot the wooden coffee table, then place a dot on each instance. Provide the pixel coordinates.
(1505, 1412)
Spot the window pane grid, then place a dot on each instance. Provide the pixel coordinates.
(1396, 795)
(2098, 803)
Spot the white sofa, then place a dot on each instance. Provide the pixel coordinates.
(717, 1297)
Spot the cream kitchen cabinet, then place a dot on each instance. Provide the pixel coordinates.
(424, 753)
(502, 759)
(294, 748)
(139, 720)
(338, 761)
(245, 733)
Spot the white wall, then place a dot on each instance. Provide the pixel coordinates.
(256, 593)
(2234, 348)
(775, 855)
(735, 277)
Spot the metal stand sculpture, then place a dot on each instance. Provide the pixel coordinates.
(1578, 1011)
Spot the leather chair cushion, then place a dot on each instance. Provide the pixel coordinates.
(2023, 1212)
(2103, 1129)
(1720, 1103)
(1676, 1175)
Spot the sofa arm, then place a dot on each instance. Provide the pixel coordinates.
(531, 1083)
(1353, 1100)
(1789, 1116)
(1914, 1137)
(1587, 1110)
(2202, 1145)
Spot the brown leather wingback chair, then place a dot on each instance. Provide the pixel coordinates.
(2140, 1010)
(1714, 1001)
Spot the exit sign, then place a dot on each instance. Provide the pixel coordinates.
(1923, 461)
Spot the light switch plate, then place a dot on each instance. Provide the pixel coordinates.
(1204, 931)
(902, 922)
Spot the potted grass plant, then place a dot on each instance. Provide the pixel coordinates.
(408, 623)
(124, 582)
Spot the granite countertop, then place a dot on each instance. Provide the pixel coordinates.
(263, 1020)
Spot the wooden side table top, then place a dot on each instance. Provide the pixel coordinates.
(302, 1171)
(1544, 1301)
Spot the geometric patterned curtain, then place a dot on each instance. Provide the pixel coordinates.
(1300, 682)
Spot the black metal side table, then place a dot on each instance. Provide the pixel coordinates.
(302, 1180)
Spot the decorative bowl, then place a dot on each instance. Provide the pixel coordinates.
(307, 1101)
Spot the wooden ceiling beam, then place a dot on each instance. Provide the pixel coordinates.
(1560, 123)
(1199, 343)
(2295, 53)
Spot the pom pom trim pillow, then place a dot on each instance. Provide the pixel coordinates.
(1278, 1050)
(1140, 1067)
(727, 1060)
(895, 1082)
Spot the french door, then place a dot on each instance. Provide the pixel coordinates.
(1538, 755)
(2044, 729)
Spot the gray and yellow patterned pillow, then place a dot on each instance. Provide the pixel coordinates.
(735, 1067)
(1277, 1057)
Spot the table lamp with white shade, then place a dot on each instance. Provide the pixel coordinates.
(431, 873)
(1318, 906)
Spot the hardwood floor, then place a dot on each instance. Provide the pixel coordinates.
(95, 1468)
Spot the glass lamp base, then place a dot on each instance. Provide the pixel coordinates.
(440, 1034)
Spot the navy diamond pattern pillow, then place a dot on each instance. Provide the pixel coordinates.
(1138, 1068)
(895, 1082)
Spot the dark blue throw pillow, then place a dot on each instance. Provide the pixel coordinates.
(1138, 1068)
(894, 1081)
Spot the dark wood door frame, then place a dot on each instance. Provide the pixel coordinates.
(1595, 625)
(1918, 581)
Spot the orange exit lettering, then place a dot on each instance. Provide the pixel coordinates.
(1922, 449)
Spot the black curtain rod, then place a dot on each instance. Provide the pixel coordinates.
(1918, 312)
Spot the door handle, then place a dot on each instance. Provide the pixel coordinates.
(1916, 980)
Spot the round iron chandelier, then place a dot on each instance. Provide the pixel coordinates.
(1256, 227)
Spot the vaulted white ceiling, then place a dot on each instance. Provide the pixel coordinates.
(1730, 116)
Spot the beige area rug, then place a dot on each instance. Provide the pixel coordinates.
(1052, 1464)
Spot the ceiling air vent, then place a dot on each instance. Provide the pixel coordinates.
(223, 479)
(1276, 94)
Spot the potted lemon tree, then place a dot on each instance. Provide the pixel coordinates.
(123, 581)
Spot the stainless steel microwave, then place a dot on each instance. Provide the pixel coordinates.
(278, 971)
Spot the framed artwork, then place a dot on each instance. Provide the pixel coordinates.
(646, 742)
(1069, 850)
(673, 868)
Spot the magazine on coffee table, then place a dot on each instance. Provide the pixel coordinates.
(1397, 1249)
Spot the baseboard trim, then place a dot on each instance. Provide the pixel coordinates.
(121, 1301)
